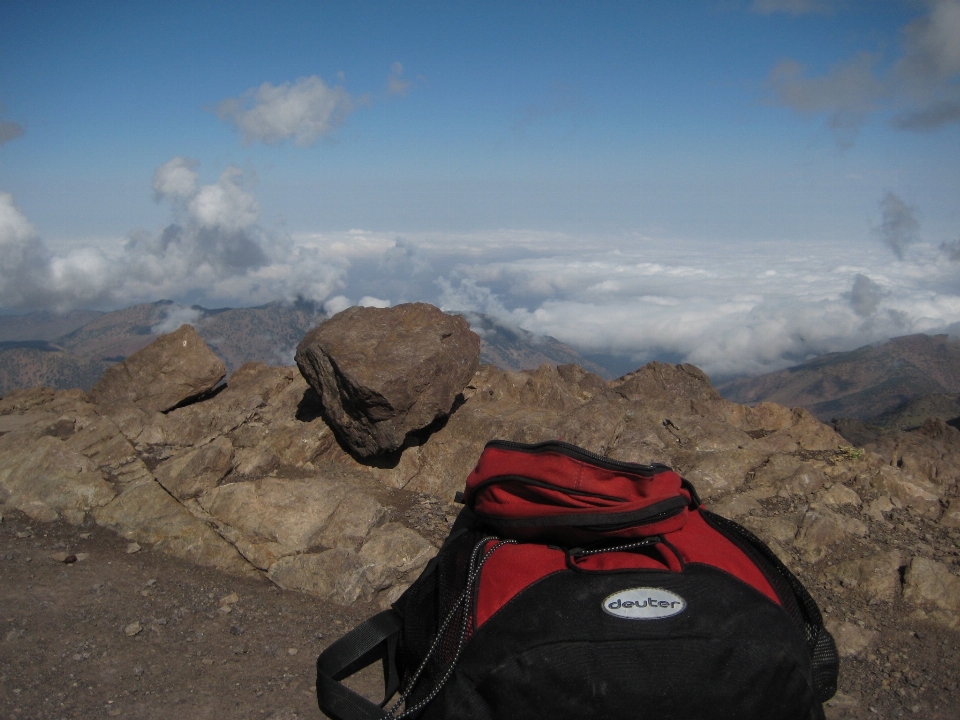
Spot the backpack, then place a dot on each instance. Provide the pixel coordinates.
(576, 586)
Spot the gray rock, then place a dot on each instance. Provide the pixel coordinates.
(773, 529)
(716, 472)
(44, 479)
(928, 581)
(740, 504)
(822, 528)
(385, 373)
(291, 513)
(839, 495)
(909, 491)
(336, 575)
(148, 514)
(877, 576)
(173, 368)
(851, 639)
(197, 470)
(393, 555)
(951, 518)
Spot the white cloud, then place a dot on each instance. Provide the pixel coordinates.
(920, 87)
(370, 301)
(176, 179)
(214, 249)
(305, 110)
(396, 84)
(174, 317)
(336, 304)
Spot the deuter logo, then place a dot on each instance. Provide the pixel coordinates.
(644, 604)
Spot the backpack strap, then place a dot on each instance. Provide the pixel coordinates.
(376, 639)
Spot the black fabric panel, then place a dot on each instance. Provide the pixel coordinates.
(552, 652)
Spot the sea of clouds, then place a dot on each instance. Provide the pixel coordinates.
(728, 308)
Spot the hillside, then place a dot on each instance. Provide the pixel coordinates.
(884, 379)
(268, 333)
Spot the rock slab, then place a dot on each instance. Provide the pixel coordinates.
(174, 368)
(383, 373)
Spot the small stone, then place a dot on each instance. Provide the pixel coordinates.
(133, 548)
(207, 661)
(151, 582)
(225, 608)
(230, 599)
(82, 556)
(60, 557)
(84, 536)
(292, 651)
(236, 630)
(133, 628)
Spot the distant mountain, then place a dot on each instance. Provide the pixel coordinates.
(269, 333)
(512, 348)
(895, 384)
(43, 325)
(24, 367)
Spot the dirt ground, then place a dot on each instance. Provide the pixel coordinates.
(141, 635)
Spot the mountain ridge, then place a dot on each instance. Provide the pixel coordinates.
(92, 341)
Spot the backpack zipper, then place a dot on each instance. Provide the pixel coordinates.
(578, 453)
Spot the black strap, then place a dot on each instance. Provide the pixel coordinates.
(376, 639)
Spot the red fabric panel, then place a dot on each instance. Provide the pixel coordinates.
(621, 561)
(700, 543)
(625, 491)
(509, 570)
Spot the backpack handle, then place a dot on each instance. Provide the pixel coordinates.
(376, 639)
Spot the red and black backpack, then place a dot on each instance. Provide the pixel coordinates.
(575, 586)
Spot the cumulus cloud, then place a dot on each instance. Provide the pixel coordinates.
(865, 296)
(921, 86)
(213, 249)
(305, 110)
(898, 225)
(396, 84)
(176, 179)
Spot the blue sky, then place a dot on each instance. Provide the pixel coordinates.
(578, 168)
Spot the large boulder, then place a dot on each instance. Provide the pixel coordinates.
(383, 373)
(170, 370)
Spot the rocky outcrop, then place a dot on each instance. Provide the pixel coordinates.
(252, 480)
(172, 369)
(383, 374)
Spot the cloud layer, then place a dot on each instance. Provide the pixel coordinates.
(730, 309)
